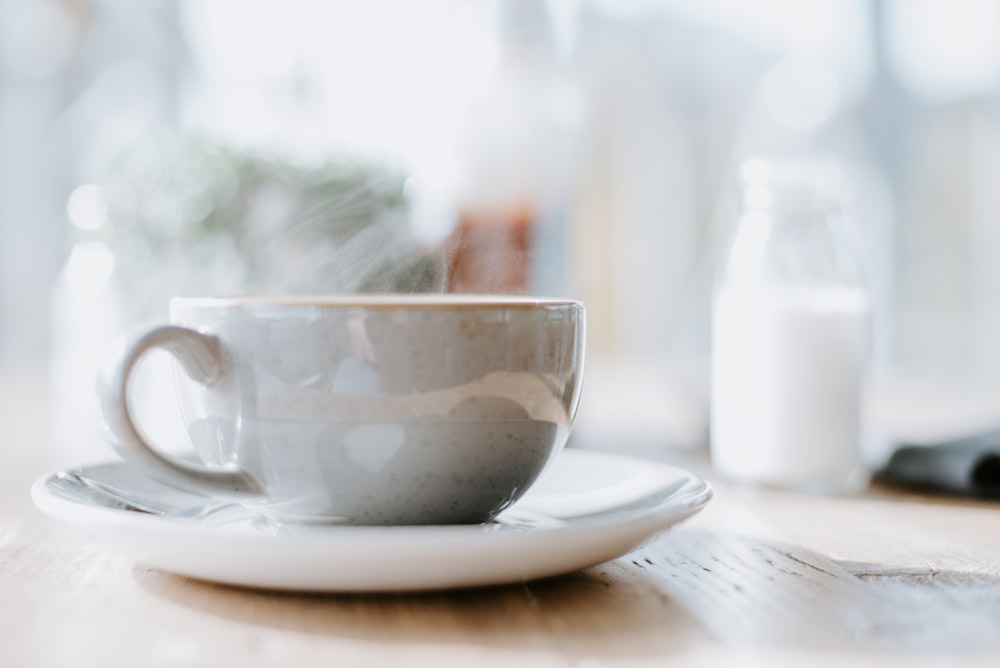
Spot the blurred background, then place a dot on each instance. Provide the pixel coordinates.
(572, 147)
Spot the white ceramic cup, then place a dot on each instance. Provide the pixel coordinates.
(388, 409)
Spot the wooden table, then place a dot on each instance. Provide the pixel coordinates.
(883, 578)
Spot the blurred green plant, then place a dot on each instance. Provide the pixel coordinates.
(195, 218)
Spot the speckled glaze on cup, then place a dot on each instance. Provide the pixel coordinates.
(392, 409)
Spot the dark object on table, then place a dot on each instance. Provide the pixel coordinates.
(968, 466)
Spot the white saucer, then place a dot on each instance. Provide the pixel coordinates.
(587, 508)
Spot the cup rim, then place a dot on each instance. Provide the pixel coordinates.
(420, 300)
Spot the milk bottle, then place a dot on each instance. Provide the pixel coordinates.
(790, 335)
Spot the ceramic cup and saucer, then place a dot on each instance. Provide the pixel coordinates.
(368, 443)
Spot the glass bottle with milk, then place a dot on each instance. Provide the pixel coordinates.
(790, 335)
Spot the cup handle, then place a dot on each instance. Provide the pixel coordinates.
(201, 356)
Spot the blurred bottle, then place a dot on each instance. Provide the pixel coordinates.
(516, 147)
(790, 335)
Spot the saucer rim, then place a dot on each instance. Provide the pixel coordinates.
(624, 530)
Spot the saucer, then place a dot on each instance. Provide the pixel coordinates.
(587, 508)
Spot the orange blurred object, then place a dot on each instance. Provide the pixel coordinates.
(490, 251)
